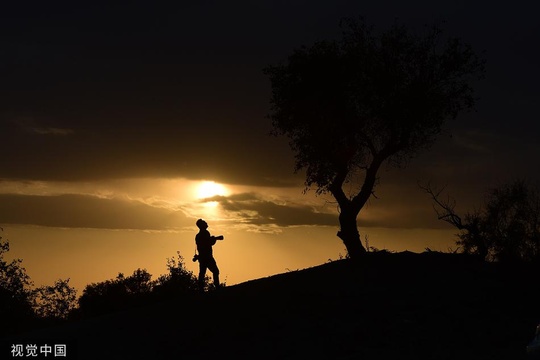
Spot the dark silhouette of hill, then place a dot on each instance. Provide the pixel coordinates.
(386, 306)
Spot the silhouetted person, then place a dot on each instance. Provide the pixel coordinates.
(206, 259)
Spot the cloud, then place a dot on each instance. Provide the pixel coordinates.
(254, 210)
(476, 141)
(30, 125)
(393, 210)
(146, 147)
(52, 131)
(83, 211)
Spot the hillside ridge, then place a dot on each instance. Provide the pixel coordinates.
(428, 305)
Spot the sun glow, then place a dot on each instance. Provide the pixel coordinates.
(208, 189)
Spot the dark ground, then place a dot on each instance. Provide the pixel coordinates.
(388, 306)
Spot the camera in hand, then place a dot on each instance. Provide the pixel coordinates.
(195, 257)
(220, 237)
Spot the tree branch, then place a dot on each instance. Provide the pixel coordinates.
(369, 182)
(336, 188)
(447, 213)
(369, 144)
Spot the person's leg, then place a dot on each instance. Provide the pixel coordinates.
(202, 274)
(212, 266)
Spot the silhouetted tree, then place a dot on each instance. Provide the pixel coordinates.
(15, 293)
(473, 238)
(56, 301)
(116, 294)
(137, 289)
(178, 280)
(512, 220)
(507, 228)
(139, 283)
(349, 106)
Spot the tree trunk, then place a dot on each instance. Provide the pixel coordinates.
(349, 233)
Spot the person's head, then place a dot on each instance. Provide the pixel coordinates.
(201, 224)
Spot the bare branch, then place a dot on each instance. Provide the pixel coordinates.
(443, 208)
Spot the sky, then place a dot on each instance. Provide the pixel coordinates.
(120, 122)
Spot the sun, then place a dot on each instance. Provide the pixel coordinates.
(208, 189)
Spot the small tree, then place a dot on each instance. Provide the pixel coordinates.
(506, 228)
(349, 106)
(116, 294)
(473, 238)
(56, 301)
(512, 221)
(138, 283)
(15, 293)
(13, 276)
(178, 280)
(138, 289)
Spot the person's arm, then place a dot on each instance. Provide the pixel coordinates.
(214, 238)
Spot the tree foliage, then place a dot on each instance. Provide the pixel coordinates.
(15, 293)
(55, 301)
(115, 294)
(178, 280)
(506, 228)
(13, 277)
(348, 106)
(21, 305)
(138, 289)
(512, 222)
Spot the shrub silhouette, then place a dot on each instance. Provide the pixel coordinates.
(56, 301)
(22, 307)
(115, 294)
(512, 221)
(178, 280)
(15, 293)
(137, 289)
(505, 229)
